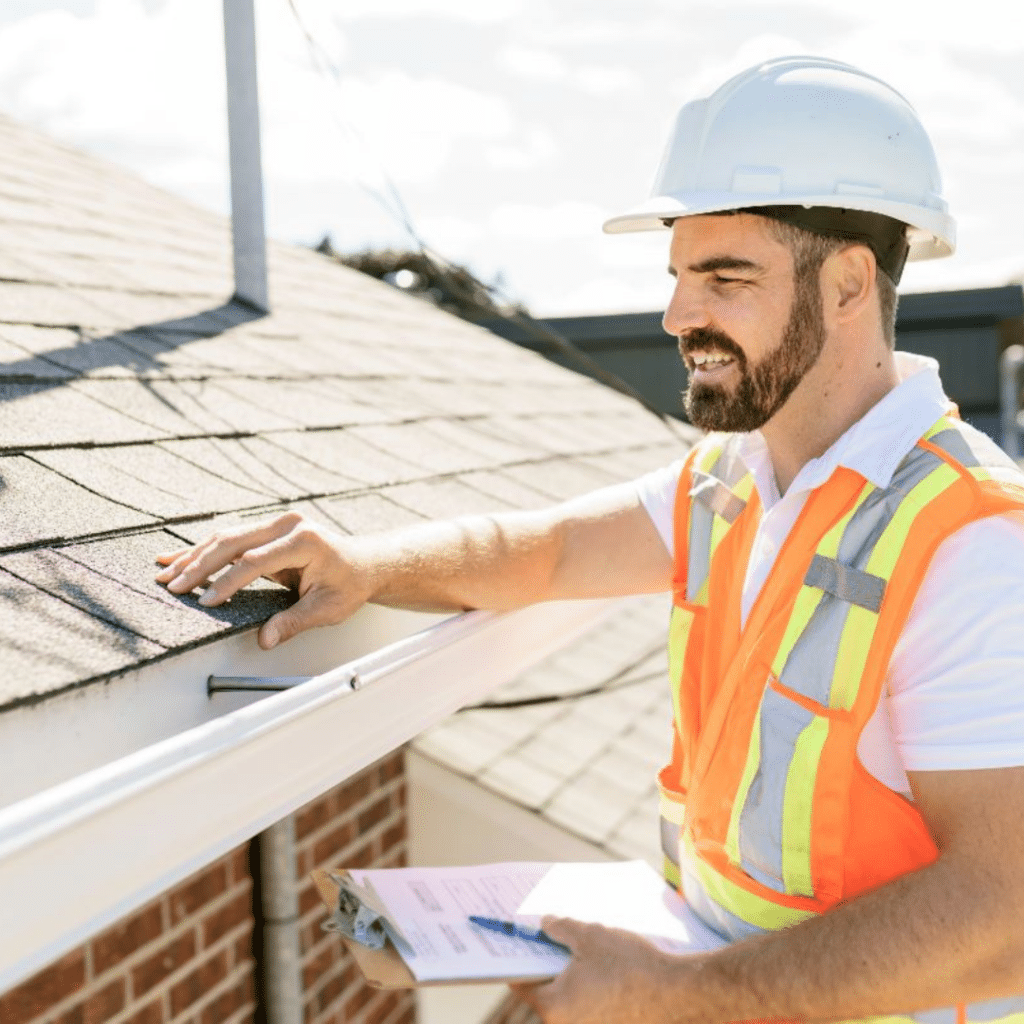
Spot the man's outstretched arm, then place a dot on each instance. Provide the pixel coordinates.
(951, 932)
(601, 544)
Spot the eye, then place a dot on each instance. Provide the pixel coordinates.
(719, 279)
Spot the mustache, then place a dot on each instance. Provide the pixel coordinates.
(702, 339)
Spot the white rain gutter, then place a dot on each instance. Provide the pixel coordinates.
(76, 858)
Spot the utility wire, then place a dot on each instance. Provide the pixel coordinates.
(619, 681)
(399, 211)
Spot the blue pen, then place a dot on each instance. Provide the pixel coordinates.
(517, 931)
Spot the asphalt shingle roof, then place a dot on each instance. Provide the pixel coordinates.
(140, 406)
(586, 764)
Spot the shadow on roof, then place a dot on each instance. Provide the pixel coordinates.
(137, 350)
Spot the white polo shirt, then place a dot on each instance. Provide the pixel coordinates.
(954, 695)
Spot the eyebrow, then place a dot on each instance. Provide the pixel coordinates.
(721, 263)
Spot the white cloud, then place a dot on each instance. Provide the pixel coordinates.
(460, 10)
(412, 124)
(603, 295)
(118, 83)
(603, 80)
(539, 65)
(547, 223)
(536, 148)
(453, 236)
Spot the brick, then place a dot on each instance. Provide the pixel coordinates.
(374, 814)
(394, 835)
(113, 945)
(44, 990)
(363, 857)
(239, 861)
(204, 888)
(99, 1007)
(151, 1014)
(315, 968)
(173, 956)
(312, 817)
(197, 984)
(355, 1002)
(337, 839)
(222, 921)
(308, 899)
(243, 950)
(227, 1003)
(330, 992)
(385, 1005)
(352, 792)
(392, 767)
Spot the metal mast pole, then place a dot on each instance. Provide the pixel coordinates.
(247, 222)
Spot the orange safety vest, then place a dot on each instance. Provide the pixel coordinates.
(768, 816)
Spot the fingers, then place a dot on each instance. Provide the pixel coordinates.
(191, 567)
(315, 608)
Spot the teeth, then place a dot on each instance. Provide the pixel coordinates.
(704, 359)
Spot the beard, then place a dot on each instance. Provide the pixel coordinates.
(764, 386)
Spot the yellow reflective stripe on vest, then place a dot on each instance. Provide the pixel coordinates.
(810, 597)
(746, 905)
(797, 809)
(679, 626)
(732, 839)
(887, 550)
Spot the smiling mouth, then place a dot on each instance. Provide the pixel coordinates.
(710, 360)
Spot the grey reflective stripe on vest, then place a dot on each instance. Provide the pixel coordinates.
(811, 665)
(670, 840)
(713, 495)
(845, 582)
(971, 447)
(782, 722)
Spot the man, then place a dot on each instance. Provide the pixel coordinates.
(846, 789)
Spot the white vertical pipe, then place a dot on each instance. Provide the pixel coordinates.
(282, 974)
(247, 221)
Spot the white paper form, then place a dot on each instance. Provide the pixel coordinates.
(433, 906)
(622, 894)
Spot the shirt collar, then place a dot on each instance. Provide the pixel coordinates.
(875, 445)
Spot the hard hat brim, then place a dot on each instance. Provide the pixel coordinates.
(932, 233)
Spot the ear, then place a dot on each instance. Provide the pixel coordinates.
(848, 284)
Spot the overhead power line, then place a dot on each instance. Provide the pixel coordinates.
(394, 205)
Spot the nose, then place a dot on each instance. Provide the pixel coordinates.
(685, 311)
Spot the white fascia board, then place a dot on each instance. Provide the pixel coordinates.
(79, 856)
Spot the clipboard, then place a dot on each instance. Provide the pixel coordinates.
(385, 968)
(382, 968)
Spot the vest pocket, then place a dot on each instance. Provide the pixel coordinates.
(789, 817)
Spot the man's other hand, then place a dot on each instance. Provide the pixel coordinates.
(319, 565)
(614, 977)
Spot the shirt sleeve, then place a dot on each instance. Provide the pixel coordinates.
(657, 494)
(956, 679)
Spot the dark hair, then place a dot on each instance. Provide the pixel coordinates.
(810, 250)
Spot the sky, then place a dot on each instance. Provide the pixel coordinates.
(509, 128)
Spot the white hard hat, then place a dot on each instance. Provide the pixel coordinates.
(802, 132)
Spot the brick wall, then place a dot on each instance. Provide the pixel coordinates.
(360, 824)
(184, 957)
(187, 957)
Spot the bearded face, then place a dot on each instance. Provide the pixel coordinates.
(763, 386)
